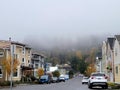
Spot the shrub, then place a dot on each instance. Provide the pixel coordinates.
(33, 78)
(6, 83)
(71, 73)
(111, 84)
(17, 82)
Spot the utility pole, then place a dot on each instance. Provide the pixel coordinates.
(11, 56)
(113, 67)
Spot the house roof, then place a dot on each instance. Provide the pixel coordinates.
(118, 38)
(38, 54)
(14, 42)
(99, 55)
(110, 41)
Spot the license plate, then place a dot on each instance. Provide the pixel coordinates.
(99, 83)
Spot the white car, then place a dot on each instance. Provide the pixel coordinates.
(61, 78)
(98, 79)
(85, 80)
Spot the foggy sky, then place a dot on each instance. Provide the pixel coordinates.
(65, 20)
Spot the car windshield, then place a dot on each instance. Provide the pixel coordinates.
(44, 77)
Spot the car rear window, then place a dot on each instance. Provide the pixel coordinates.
(85, 78)
(98, 74)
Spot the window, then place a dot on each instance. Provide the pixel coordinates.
(116, 69)
(23, 50)
(15, 73)
(15, 56)
(116, 52)
(22, 59)
(1, 74)
(28, 51)
(36, 66)
(1, 54)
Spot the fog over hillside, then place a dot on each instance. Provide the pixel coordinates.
(65, 43)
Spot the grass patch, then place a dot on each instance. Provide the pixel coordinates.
(114, 85)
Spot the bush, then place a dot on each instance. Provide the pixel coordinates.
(116, 86)
(111, 84)
(71, 73)
(17, 82)
(6, 83)
(33, 78)
(56, 73)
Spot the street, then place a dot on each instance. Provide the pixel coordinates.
(72, 84)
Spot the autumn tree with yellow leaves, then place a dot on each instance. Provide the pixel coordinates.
(79, 54)
(40, 72)
(7, 65)
(90, 69)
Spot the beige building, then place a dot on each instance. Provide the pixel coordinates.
(117, 58)
(19, 51)
(110, 58)
(104, 56)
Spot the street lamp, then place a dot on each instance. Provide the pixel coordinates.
(99, 63)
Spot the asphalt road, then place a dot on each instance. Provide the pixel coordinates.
(72, 84)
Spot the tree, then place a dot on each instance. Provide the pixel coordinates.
(90, 69)
(82, 66)
(78, 65)
(92, 55)
(71, 73)
(40, 72)
(78, 54)
(56, 73)
(7, 65)
(75, 64)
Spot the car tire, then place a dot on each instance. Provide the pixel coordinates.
(90, 86)
(106, 87)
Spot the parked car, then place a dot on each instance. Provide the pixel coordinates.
(61, 78)
(85, 80)
(98, 79)
(66, 77)
(45, 79)
(55, 79)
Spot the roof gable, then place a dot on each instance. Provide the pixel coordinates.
(110, 41)
(118, 38)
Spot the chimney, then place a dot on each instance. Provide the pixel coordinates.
(10, 39)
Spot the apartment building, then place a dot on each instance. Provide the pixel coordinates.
(16, 50)
(37, 62)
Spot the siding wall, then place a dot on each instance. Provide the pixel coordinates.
(117, 60)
